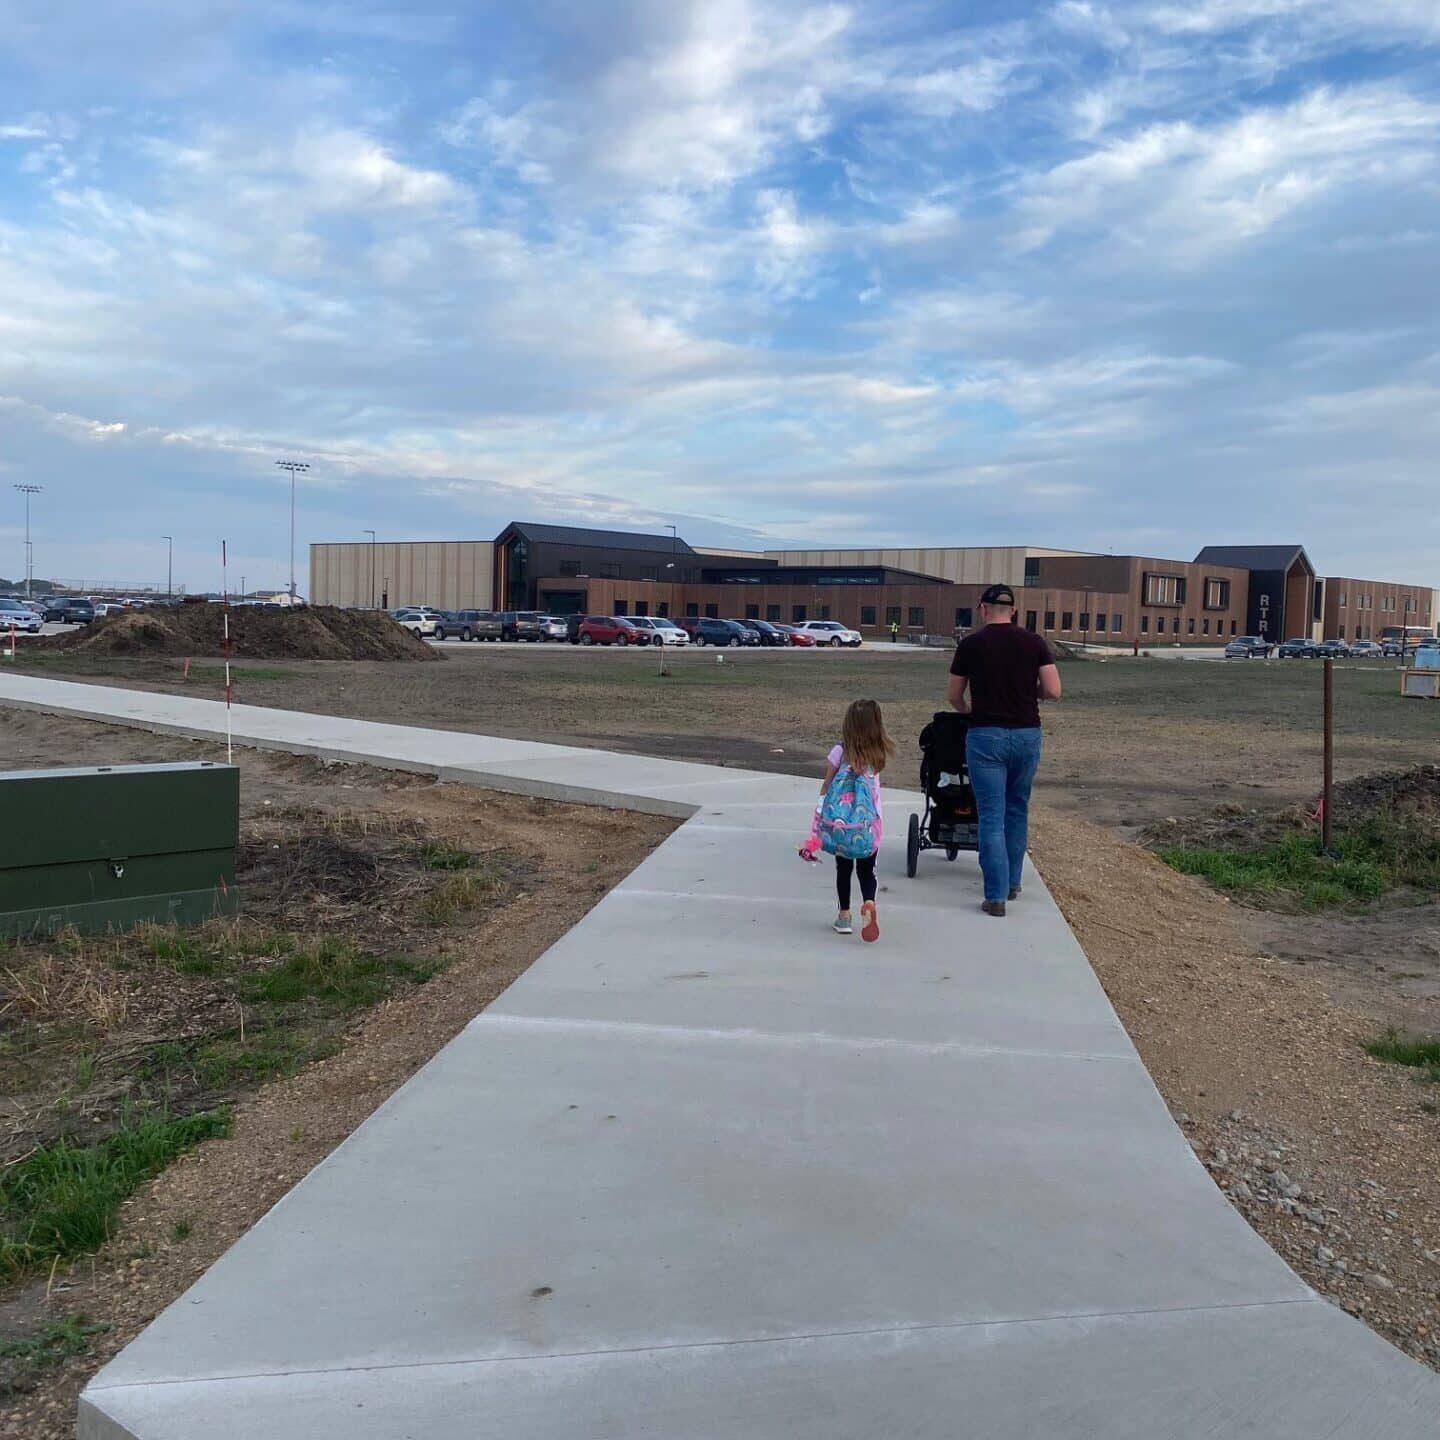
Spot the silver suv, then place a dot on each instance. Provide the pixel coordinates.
(471, 625)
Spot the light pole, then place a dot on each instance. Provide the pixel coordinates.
(27, 491)
(371, 534)
(674, 549)
(293, 466)
(169, 568)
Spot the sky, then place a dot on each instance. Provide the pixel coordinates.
(1135, 276)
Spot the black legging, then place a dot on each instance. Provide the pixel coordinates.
(865, 868)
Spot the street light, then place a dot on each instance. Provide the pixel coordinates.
(27, 491)
(371, 534)
(169, 569)
(292, 466)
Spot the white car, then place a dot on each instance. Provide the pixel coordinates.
(829, 632)
(109, 607)
(662, 631)
(16, 615)
(420, 623)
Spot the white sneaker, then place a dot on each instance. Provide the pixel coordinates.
(842, 925)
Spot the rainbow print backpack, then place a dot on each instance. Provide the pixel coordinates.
(848, 820)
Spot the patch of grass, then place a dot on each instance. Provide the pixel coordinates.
(438, 856)
(182, 1230)
(61, 1200)
(454, 896)
(330, 968)
(57, 1342)
(1419, 1052)
(215, 674)
(269, 1055)
(1364, 865)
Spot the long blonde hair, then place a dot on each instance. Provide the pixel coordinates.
(863, 737)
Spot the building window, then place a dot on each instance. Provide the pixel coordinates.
(1342, 598)
(692, 609)
(610, 572)
(1049, 619)
(1342, 632)
(1084, 619)
(867, 615)
(1030, 619)
(752, 612)
(772, 612)
(712, 612)
(1117, 623)
(917, 615)
(1163, 589)
(642, 607)
(620, 607)
(1217, 594)
(1144, 624)
(824, 612)
(797, 614)
(568, 567)
(1159, 624)
(1067, 619)
(964, 617)
(1205, 626)
(1190, 626)
(892, 615)
(1233, 630)
(663, 609)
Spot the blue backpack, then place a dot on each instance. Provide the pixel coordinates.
(848, 821)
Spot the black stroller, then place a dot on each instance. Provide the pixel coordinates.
(949, 822)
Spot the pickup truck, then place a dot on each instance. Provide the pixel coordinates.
(1248, 647)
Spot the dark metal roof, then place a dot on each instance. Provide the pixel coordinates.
(595, 539)
(1254, 557)
(816, 575)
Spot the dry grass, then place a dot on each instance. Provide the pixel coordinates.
(66, 987)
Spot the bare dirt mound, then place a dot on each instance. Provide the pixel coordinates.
(315, 632)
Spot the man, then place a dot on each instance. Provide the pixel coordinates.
(1007, 671)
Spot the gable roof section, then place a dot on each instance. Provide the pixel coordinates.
(594, 539)
(1254, 557)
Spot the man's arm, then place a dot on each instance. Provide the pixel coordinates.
(955, 693)
(1049, 684)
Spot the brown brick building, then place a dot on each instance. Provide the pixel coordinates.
(1365, 609)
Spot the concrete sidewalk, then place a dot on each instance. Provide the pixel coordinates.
(707, 1170)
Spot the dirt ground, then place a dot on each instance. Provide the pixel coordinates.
(175, 1227)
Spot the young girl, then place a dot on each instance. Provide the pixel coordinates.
(862, 752)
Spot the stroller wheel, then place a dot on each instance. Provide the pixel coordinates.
(912, 847)
(951, 851)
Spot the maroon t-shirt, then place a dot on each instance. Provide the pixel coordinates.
(1002, 663)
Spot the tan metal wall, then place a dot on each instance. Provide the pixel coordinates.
(448, 574)
(962, 564)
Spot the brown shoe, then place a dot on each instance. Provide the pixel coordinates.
(1015, 893)
(994, 907)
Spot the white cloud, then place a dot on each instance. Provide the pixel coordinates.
(342, 169)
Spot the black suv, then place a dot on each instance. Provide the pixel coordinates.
(708, 631)
(768, 634)
(72, 610)
(521, 625)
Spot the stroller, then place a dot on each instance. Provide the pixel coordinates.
(950, 821)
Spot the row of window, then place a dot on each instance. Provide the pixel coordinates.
(1157, 589)
(1394, 604)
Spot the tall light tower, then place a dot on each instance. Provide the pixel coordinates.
(169, 568)
(293, 466)
(27, 491)
(371, 534)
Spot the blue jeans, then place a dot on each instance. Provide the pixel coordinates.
(1002, 770)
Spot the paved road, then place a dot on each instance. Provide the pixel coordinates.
(707, 1172)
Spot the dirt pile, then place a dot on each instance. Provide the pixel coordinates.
(1411, 797)
(315, 632)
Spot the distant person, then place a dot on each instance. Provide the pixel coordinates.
(894, 632)
(1007, 671)
(848, 821)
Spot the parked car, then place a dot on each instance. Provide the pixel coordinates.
(1248, 647)
(794, 635)
(768, 633)
(16, 615)
(830, 632)
(109, 607)
(71, 610)
(421, 624)
(1364, 650)
(470, 625)
(611, 630)
(553, 627)
(1297, 649)
(710, 631)
(662, 630)
(1332, 650)
(521, 625)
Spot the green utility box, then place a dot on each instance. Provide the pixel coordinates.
(103, 849)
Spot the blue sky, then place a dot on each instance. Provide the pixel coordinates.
(1137, 276)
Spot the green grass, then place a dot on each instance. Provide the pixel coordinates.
(57, 1342)
(1364, 865)
(437, 856)
(1416, 1051)
(331, 969)
(61, 1201)
(215, 674)
(454, 896)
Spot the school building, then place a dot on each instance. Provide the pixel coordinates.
(1070, 595)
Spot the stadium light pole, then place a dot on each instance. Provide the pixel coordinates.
(169, 568)
(371, 534)
(294, 467)
(27, 491)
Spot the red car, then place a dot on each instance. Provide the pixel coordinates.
(802, 638)
(611, 630)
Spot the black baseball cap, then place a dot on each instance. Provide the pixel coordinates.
(998, 595)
